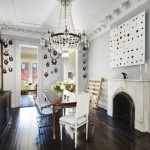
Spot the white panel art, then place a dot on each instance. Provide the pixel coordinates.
(127, 42)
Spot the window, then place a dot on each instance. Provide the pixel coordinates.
(34, 72)
(29, 72)
(25, 71)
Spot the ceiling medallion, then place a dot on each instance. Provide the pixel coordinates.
(65, 40)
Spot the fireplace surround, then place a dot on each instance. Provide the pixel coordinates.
(137, 93)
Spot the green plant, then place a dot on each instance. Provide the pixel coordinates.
(29, 83)
(59, 86)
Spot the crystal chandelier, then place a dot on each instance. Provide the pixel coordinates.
(65, 40)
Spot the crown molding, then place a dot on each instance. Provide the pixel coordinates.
(98, 32)
(135, 6)
(20, 31)
(124, 9)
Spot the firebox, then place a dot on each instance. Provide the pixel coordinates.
(123, 108)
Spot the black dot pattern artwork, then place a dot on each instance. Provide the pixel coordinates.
(127, 42)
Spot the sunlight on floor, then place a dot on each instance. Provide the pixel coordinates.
(27, 117)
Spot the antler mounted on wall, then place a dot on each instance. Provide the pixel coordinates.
(7, 57)
(51, 60)
(54, 60)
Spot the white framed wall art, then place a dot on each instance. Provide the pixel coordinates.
(127, 42)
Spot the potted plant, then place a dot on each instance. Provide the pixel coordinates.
(59, 87)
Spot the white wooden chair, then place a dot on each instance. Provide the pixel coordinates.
(44, 118)
(79, 118)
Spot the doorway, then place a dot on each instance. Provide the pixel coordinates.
(29, 75)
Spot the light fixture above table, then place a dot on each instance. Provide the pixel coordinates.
(65, 40)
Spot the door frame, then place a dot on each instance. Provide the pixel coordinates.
(19, 44)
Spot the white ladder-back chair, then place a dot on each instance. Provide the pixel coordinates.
(94, 88)
(79, 118)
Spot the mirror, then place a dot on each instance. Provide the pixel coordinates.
(1, 65)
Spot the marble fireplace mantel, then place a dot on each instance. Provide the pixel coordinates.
(128, 80)
(139, 91)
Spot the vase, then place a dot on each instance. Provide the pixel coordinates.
(60, 96)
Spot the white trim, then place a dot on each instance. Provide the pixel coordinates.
(77, 70)
(18, 69)
(97, 30)
(92, 33)
(99, 33)
(140, 3)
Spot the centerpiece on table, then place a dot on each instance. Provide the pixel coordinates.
(59, 87)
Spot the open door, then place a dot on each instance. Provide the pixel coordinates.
(29, 75)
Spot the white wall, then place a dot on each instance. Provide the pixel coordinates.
(52, 78)
(99, 56)
(133, 72)
(98, 63)
(12, 79)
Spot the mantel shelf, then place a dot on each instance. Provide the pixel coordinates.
(129, 80)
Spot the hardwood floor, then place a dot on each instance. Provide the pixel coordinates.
(27, 100)
(22, 134)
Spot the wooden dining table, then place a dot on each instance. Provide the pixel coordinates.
(58, 104)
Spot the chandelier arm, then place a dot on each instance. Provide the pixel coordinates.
(56, 34)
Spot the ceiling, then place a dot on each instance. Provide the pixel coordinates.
(32, 18)
(39, 14)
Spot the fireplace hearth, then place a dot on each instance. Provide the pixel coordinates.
(123, 108)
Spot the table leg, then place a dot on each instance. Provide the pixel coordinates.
(54, 126)
(64, 111)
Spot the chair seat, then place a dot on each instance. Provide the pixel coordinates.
(70, 119)
(44, 104)
(47, 111)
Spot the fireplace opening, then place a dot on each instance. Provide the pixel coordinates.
(123, 108)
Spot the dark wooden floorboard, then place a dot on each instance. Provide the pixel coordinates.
(27, 100)
(22, 134)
